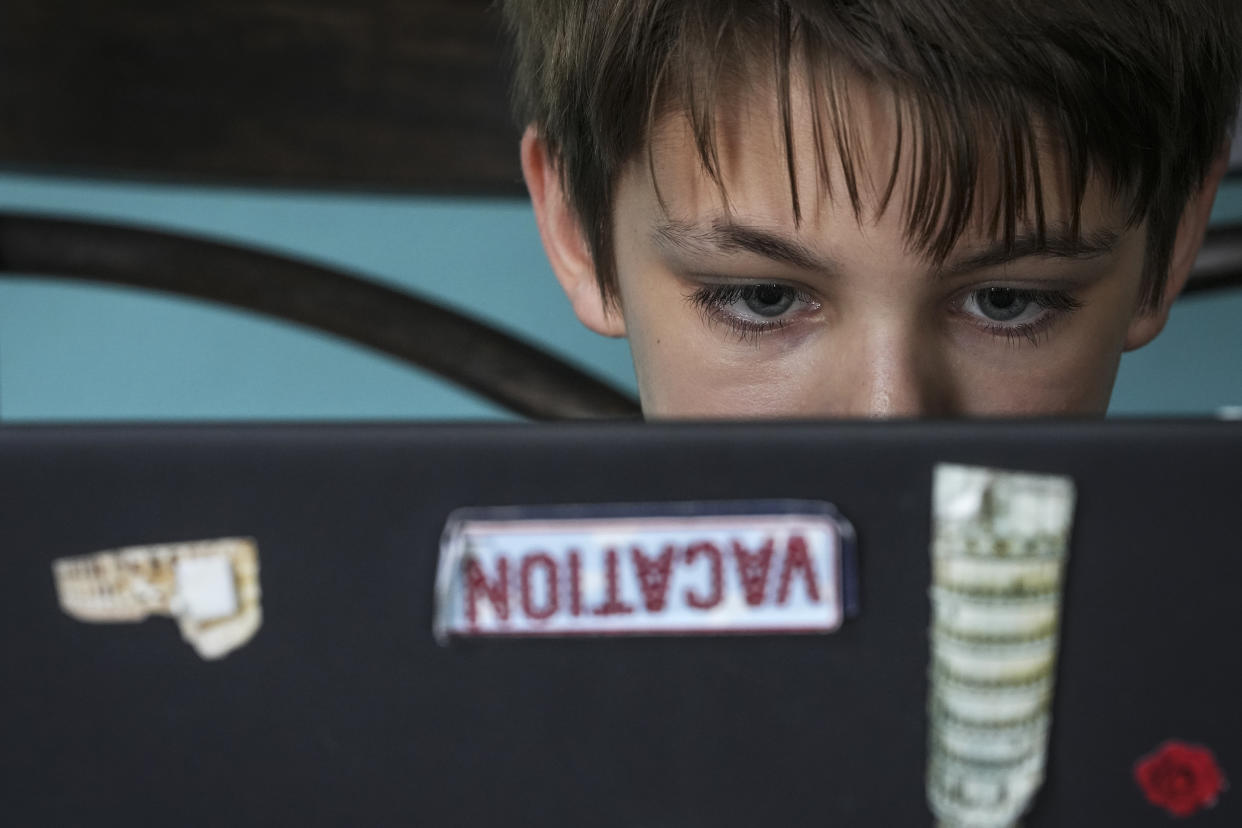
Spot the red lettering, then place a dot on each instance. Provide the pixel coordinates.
(752, 570)
(797, 557)
(529, 562)
(575, 583)
(614, 605)
(653, 576)
(496, 592)
(717, 575)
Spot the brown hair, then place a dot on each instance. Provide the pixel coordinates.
(1142, 92)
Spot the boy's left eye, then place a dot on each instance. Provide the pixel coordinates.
(1010, 307)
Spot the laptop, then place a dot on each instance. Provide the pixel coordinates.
(344, 707)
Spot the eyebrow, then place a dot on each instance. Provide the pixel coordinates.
(731, 237)
(1057, 243)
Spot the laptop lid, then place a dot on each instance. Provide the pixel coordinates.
(344, 708)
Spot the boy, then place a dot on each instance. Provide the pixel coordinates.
(881, 208)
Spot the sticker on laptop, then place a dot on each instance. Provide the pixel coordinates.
(721, 568)
(210, 587)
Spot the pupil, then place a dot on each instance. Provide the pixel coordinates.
(768, 300)
(1001, 298)
(768, 295)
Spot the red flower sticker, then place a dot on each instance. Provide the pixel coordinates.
(1180, 778)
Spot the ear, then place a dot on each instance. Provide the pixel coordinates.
(1190, 232)
(564, 241)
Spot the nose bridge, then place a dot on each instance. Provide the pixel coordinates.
(895, 373)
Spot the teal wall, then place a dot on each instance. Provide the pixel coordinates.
(75, 351)
(70, 351)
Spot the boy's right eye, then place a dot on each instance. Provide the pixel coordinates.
(752, 309)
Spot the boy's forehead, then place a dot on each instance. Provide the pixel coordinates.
(761, 166)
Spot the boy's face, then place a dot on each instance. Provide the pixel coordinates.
(748, 313)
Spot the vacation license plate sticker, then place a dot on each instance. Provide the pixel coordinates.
(646, 569)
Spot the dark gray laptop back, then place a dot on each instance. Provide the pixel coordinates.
(343, 709)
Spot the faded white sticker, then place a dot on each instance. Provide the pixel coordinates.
(210, 587)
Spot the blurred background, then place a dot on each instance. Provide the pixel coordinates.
(371, 137)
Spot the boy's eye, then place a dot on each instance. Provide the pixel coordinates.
(750, 310)
(1012, 312)
(754, 308)
(1009, 306)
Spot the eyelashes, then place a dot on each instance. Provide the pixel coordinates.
(751, 310)
(1051, 306)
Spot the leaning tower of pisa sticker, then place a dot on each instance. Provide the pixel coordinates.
(1000, 541)
(210, 587)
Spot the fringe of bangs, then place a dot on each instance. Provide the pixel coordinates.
(939, 128)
